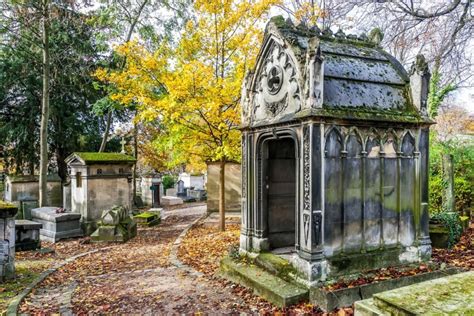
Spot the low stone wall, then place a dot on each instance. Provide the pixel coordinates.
(233, 187)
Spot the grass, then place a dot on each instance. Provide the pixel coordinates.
(26, 272)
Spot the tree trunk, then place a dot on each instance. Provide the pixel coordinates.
(43, 170)
(106, 132)
(222, 196)
(135, 152)
(448, 177)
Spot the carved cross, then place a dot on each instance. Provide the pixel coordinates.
(123, 142)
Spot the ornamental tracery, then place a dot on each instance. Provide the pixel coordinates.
(277, 88)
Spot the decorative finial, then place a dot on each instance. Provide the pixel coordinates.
(315, 29)
(352, 37)
(376, 36)
(302, 26)
(363, 37)
(327, 32)
(420, 65)
(340, 34)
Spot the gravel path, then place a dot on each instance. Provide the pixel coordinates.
(135, 277)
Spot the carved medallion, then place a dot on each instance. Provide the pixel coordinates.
(277, 88)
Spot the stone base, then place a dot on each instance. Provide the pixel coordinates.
(171, 200)
(27, 235)
(51, 236)
(271, 287)
(147, 219)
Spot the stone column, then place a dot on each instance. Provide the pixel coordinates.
(246, 205)
(424, 235)
(310, 252)
(7, 240)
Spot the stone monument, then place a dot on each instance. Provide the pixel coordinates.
(115, 226)
(7, 240)
(99, 181)
(57, 224)
(334, 154)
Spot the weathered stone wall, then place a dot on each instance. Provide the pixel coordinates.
(27, 188)
(233, 189)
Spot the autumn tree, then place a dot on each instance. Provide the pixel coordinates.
(194, 88)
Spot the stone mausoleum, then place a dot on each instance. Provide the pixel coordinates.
(334, 153)
(99, 181)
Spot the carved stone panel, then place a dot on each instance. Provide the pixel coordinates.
(277, 91)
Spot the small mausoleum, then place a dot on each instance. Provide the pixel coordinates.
(334, 153)
(99, 181)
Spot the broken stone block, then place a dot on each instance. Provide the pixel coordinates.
(115, 226)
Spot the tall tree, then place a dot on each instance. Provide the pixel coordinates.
(74, 54)
(43, 169)
(194, 89)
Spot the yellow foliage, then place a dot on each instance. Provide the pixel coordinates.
(194, 88)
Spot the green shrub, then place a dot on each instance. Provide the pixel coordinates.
(451, 221)
(168, 182)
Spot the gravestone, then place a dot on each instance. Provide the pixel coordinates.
(99, 181)
(180, 190)
(57, 225)
(7, 240)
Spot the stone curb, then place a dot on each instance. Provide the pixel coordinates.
(173, 257)
(16, 301)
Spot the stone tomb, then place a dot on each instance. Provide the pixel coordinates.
(7, 240)
(99, 181)
(27, 235)
(57, 226)
(334, 154)
(26, 188)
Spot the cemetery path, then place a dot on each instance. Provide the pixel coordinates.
(135, 277)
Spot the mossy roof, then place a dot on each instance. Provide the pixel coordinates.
(6, 206)
(101, 158)
(358, 74)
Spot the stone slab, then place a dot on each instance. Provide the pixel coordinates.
(330, 300)
(48, 213)
(27, 224)
(449, 295)
(171, 200)
(263, 283)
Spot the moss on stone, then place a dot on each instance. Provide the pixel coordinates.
(94, 157)
(5, 205)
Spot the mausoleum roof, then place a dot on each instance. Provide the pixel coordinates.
(89, 158)
(302, 71)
